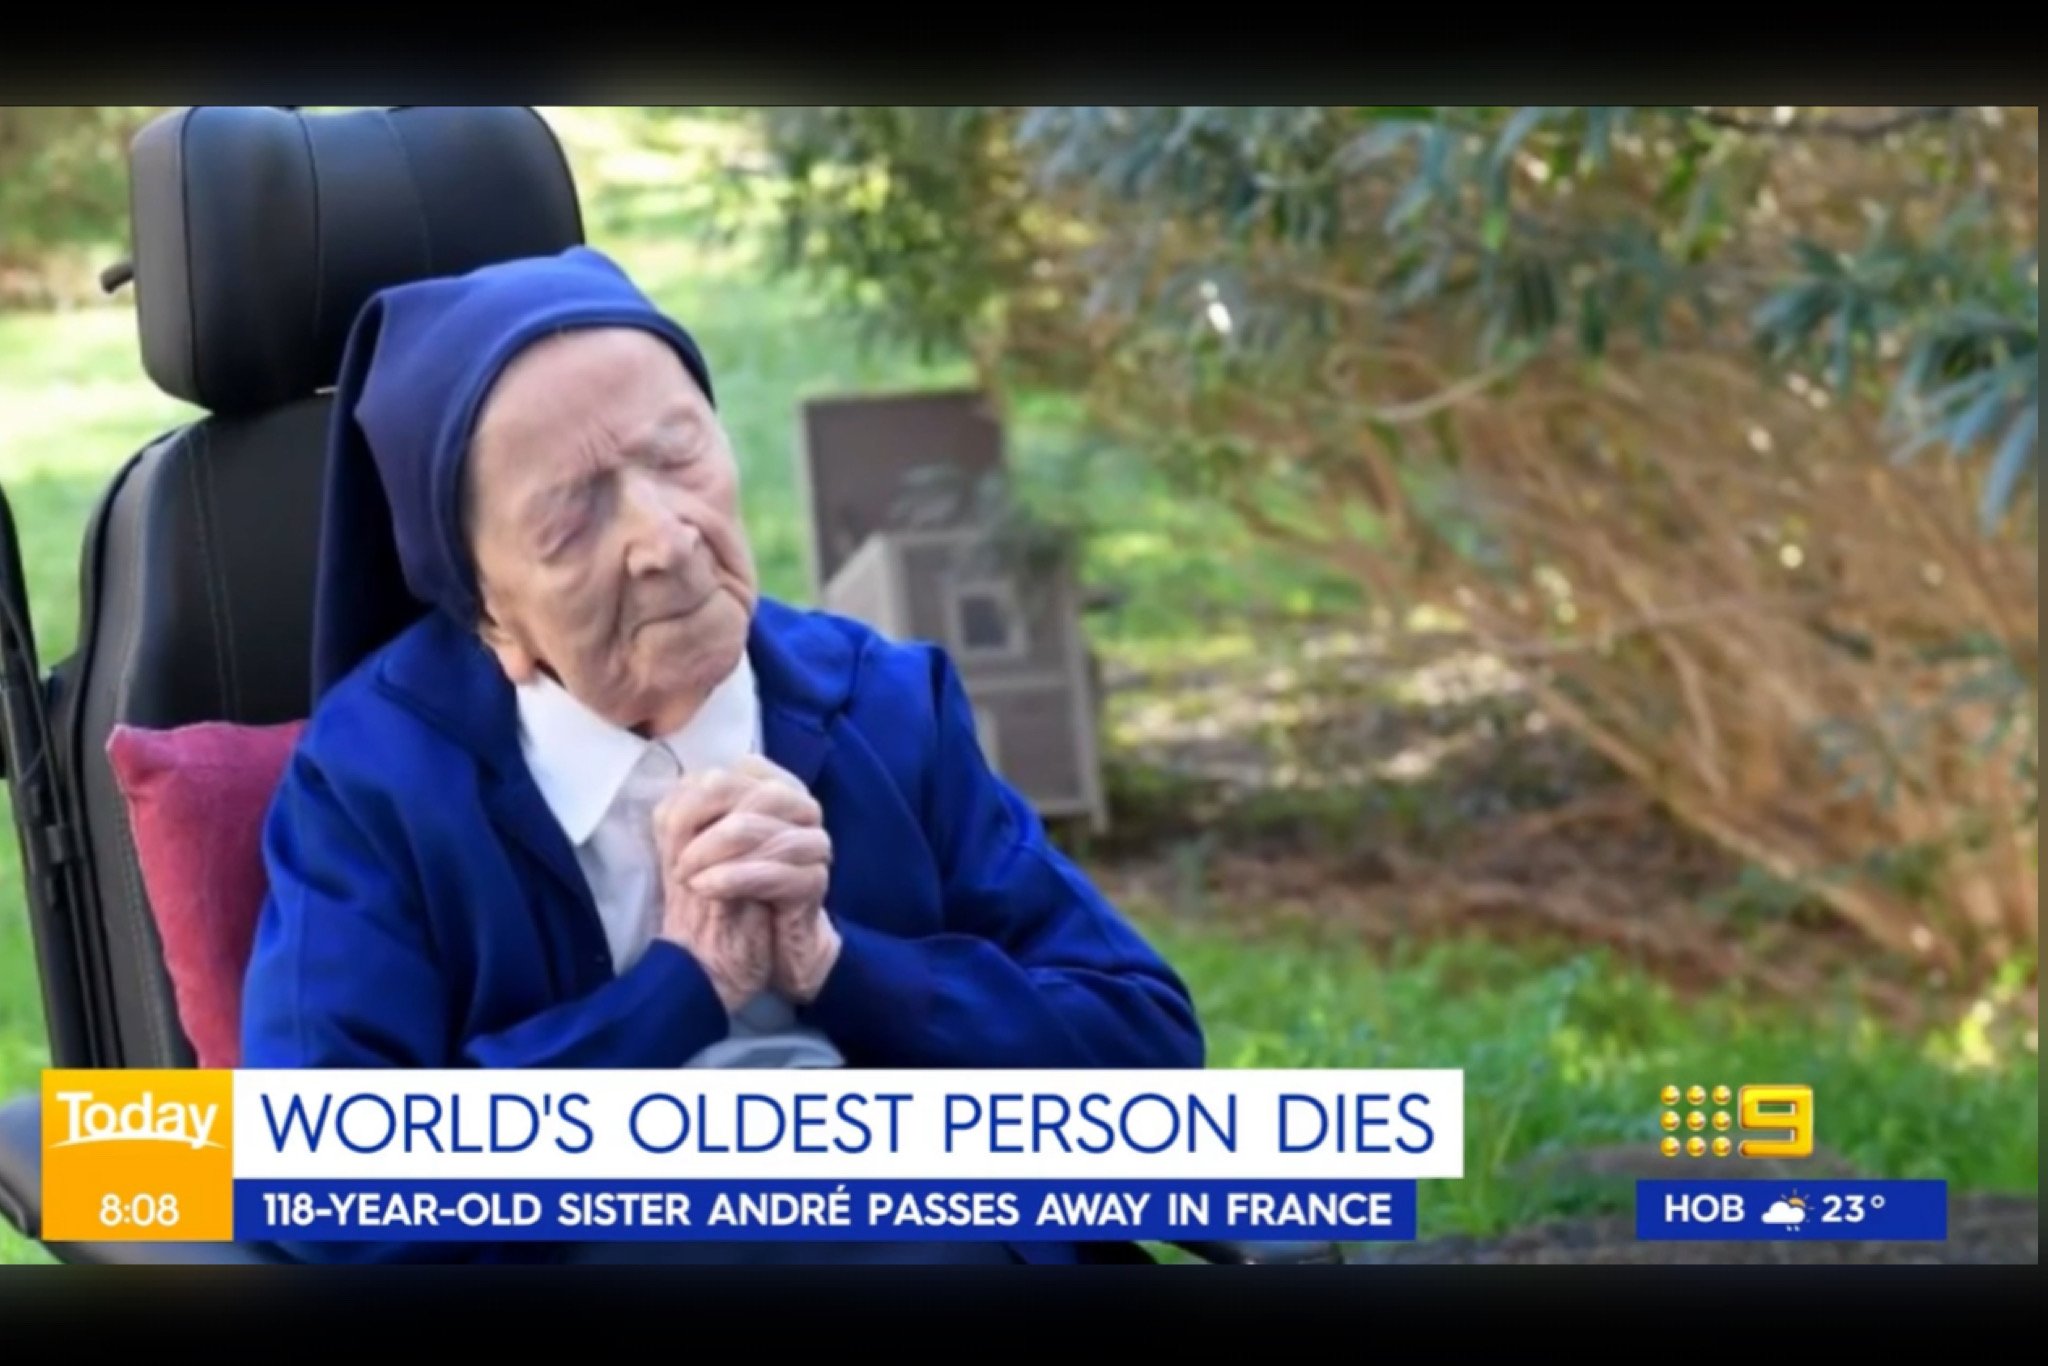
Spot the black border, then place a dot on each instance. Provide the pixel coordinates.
(961, 1310)
(680, 56)
(1644, 56)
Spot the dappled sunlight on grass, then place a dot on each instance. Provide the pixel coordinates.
(73, 395)
(74, 406)
(1999, 1027)
(71, 346)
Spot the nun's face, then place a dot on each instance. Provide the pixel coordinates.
(604, 512)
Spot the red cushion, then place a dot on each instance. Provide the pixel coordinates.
(197, 796)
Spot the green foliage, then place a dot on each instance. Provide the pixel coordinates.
(63, 176)
(1967, 316)
(931, 230)
(1532, 228)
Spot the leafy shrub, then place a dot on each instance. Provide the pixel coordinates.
(1646, 396)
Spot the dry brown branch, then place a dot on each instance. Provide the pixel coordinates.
(1717, 580)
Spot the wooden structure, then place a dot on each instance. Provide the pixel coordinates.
(900, 492)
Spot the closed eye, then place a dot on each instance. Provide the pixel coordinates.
(670, 453)
(674, 443)
(565, 516)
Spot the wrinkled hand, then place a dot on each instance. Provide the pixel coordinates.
(755, 836)
(733, 941)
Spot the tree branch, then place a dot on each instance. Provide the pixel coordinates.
(1831, 127)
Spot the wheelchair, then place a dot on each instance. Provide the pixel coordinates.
(257, 233)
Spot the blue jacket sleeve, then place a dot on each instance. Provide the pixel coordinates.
(1034, 969)
(343, 972)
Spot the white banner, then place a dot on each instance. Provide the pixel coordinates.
(1315, 1124)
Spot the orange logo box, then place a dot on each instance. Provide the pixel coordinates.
(141, 1154)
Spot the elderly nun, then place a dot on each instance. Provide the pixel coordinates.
(573, 794)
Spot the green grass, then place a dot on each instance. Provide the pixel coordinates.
(1567, 1052)
(1559, 1052)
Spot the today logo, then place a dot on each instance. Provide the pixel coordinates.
(88, 1119)
(138, 1153)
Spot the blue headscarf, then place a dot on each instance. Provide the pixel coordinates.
(420, 360)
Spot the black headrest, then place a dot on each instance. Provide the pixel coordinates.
(259, 232)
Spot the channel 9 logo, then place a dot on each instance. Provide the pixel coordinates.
(1785, 1113)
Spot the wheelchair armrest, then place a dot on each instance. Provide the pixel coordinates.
(1231, 1252)
(21, 1204)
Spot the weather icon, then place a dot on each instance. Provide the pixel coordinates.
(1790, 1212)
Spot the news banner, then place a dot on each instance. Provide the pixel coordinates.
(468, 1156)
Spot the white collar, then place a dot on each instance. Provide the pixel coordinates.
(579, 760)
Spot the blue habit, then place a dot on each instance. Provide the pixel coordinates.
(427, 911)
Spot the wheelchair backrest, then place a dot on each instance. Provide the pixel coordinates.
(258, 234)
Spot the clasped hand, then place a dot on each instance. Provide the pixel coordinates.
(745, 860)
